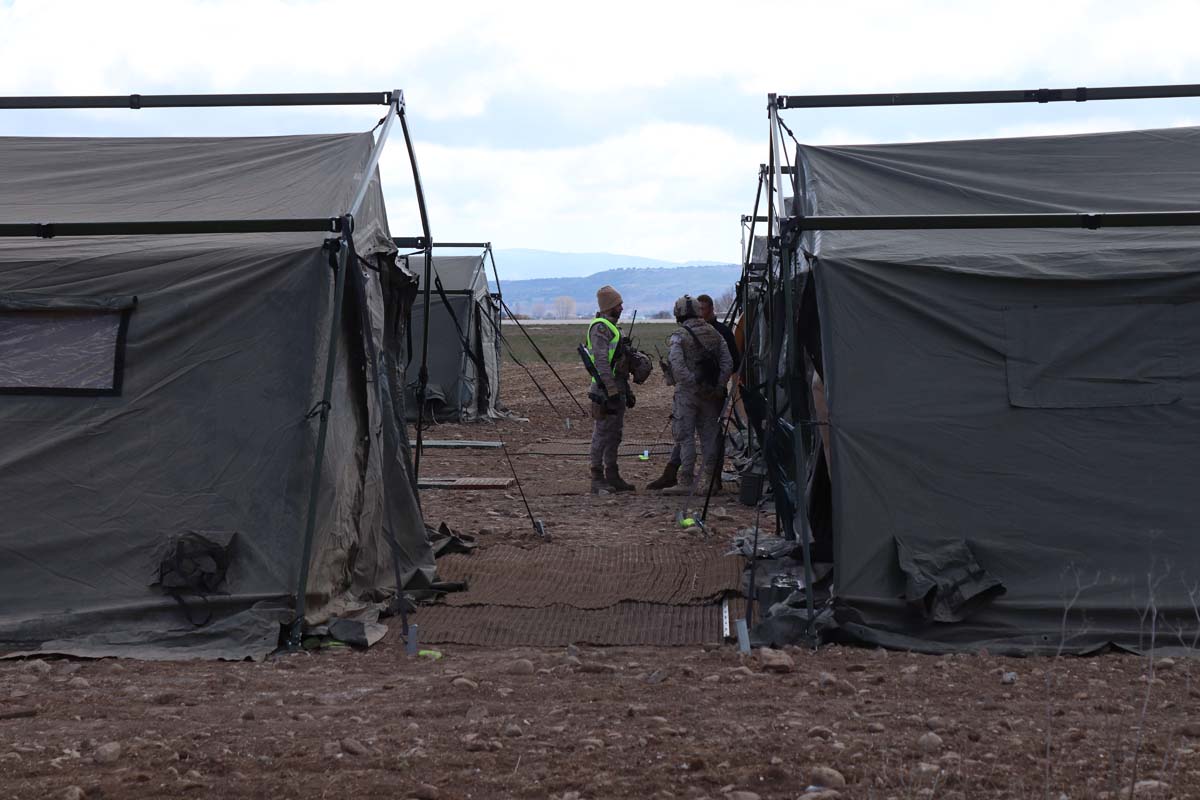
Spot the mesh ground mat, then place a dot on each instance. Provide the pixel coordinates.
(591, 577)
(622, 625)
(553, 595)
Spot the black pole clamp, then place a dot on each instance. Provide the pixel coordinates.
(323, 408)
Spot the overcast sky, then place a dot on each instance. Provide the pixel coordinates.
(620, 127)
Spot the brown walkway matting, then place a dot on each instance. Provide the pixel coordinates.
(623, 625)
(591, 577)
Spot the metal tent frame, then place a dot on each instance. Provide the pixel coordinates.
(339, 244)
(787, 266)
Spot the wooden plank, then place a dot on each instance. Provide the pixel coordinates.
(581, 447)
(477, 484)
(459, 444)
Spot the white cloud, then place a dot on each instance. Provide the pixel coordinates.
(668, 190)
(456, 58)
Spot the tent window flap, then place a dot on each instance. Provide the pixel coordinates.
(1092, 356)
(58, 347)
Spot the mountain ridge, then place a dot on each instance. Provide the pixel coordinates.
(646, 289)
(520, 263)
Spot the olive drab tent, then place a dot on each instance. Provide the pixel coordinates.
(174, 442)
(464, 341)
(1013, 404)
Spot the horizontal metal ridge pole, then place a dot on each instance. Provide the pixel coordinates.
(1129, 219)
(1076, 95)
(136, 101)
(471, 245)
(748, 218)
(409, 242)
(784, 169)
(49, 230)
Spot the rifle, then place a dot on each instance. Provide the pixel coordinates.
(596, 393)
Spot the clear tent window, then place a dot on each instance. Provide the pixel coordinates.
(62, 351)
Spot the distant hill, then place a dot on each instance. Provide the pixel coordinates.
(648, 289)
(522, 264)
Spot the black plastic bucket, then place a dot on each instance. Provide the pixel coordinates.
(751, 489)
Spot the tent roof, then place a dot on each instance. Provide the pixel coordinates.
(460, 273)
(175, 179)
(1152, 170)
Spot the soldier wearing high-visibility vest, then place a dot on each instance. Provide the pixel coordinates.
(607, 352)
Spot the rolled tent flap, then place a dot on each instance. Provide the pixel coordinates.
(943, 581)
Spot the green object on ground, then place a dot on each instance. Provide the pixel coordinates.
(434, 654)
(687, 522)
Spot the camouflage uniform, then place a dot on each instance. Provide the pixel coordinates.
(607, 432)
(697, 408)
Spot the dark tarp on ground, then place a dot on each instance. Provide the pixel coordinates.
(464, 345)
(1034, 393)
(224, 358)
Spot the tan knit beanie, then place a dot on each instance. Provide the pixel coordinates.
(607, 298)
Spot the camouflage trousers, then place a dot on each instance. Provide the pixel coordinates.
(696, 415)
(606, 437)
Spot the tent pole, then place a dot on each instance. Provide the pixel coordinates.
(338, 261)
(423, 373)
(772, 233)
(376, 152)
(795, 362)
(1073, 95)
(139, 101)
(487, 248)
(496, 306)
(747, 370)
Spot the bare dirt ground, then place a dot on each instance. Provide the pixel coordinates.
(596, 723)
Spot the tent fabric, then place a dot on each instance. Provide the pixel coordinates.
(1034, 394)
(464, 344)
(213, 430)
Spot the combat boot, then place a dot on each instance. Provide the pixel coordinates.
(616, 482)
(686, 479)
(702, 484)
(668, 479)
(599, 484)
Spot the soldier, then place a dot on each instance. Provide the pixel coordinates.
(706, 312)
(701, 365)
(606, 351)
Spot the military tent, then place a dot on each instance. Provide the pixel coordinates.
(464, 341)
(165, 404)
(1014, 413)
